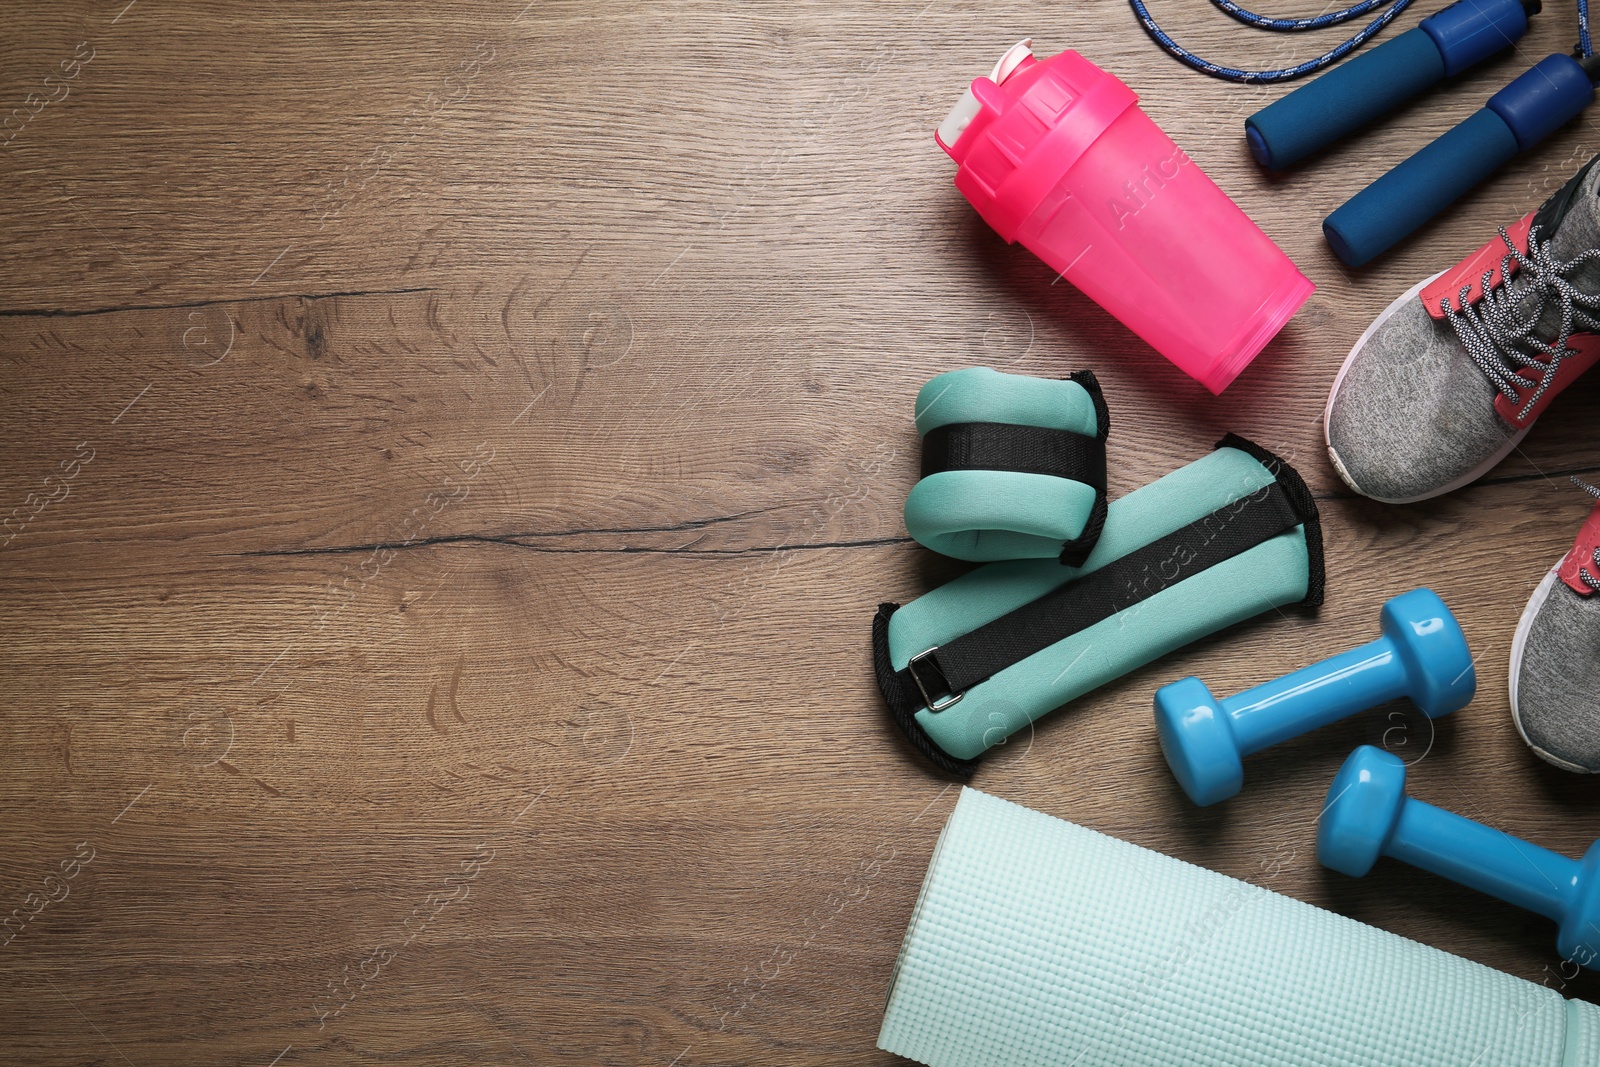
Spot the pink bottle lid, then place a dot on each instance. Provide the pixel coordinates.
(1012, 149)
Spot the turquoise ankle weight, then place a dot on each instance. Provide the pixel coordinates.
(1037, 942)
(1013, 467)
(1225, 538)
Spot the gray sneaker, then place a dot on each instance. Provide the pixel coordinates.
(1453, 374)
(1555, 658)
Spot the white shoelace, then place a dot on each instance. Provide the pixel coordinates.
(1498, 333)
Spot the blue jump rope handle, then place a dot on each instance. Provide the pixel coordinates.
(1376, 82)
(1346, 98)
(1545, 97)
(1391, 208)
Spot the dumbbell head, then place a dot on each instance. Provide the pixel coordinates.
(1197, 739)
(1368, 815)
(1362, 808)
(1578, 935)
(1430, 644)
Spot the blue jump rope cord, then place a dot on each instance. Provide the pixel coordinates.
(1332, 18)
(1250, 18)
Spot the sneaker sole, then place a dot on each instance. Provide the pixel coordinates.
(1327, 414)
(1518, 644)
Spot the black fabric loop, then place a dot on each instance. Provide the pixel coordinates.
(1074, 552)
(1300, 498)
(904, 709)
(1003, 446)
(1119, 585)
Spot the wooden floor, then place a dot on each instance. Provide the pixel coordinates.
(460, 447)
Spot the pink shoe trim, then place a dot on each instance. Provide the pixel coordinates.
(1469, 272)
(1581, 558)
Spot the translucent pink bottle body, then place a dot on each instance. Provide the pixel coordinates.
(1058, 155)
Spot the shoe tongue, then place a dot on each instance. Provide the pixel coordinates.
(1570, 221)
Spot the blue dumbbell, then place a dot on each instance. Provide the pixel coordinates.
(1421, 655)
(1369, 815)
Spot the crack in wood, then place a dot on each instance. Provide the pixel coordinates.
(512, 541)
(70, 313)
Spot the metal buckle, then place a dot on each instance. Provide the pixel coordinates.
(933, 705)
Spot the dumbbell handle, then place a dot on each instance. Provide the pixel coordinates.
(1488, 860)
(1317, 695)
(1546, 96)
(1381, 79)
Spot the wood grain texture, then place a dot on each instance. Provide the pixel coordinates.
(487, 428)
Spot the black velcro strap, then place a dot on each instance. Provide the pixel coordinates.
(1000, 446)
(942, 674)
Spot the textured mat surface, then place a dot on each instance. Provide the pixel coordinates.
(1036, 941)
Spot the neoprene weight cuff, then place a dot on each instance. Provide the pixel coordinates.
(1229, 536)
(1013, 467)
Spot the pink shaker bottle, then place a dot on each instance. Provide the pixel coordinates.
(1057, 154)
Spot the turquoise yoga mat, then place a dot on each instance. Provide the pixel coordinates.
(1038, 942)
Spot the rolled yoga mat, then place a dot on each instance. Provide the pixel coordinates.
(1038, 942)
